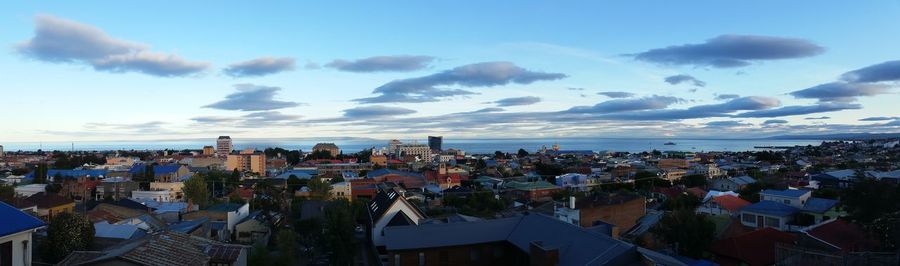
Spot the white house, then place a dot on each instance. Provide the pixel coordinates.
(15, 235)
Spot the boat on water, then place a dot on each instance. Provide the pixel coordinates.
(669, 143)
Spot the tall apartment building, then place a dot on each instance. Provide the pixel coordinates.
(224, 145)
(434, 142)
(248, 160)
(414, 149)
(392, 146)
(209, 150)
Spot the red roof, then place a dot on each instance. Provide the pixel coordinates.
(245, 193)
(753, 248)
(672, 192)
(844, 235)
(696, 191)
(731, 203)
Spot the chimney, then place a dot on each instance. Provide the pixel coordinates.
(572, 202)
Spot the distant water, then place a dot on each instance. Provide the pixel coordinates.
(468, 145)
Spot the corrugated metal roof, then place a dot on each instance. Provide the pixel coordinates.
(15, 221)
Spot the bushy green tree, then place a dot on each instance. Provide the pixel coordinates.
(688, 232)
(196, 191)
(67, 232)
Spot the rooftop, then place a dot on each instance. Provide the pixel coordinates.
(771, 207)
(793, 193)
(15, 221)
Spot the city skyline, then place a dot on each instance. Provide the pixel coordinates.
(500, 70)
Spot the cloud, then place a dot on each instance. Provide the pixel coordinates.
(575, 89)
(624, 105)
(251, 97)
(678, 79)
(270, 116)
(376, 111)
(489, 110)
(213, 119)
(887, 71)
(59, 40)
(880, 118)
(727, 96)
(260, 67)
(817, 118)
(616, 94)
(801, 110)
(516, 101)
(775, 121)
(397, 63)
(727, 51)
(726, 124)
(425, 88)
(749, 103)
(841, 91)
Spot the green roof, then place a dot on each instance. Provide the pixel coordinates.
(530, 185)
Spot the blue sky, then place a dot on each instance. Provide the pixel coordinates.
(406, 69)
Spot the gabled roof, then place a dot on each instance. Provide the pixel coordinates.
(771, 207)
(793, 193)
(841, 234)
(46, 201)
(754, 248)
(842, 174)
(383, 201)
(576, 245)
(743, 180)
(15, 221)
(731, 203)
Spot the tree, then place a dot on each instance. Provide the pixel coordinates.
(689, 232)
(522, 153)
(286, 247)
(319, 189)
(7, 194)
(196, 191)
(259, 255)
(340, 221)
(67, 232)
(692, 180)
(40, 174)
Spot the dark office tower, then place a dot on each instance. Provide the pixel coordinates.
(434, 142)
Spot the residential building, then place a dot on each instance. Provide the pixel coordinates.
(16, 245)
(731, 183)
(532, 239)
(116, 188)
(224, 146)
(209, 150)
(379, 160)
(151, 195)
(31, 189)
(342, 190)
(225, 215)
(576, 182)
(710, 170)
(162, 172)
(673, 174)
(530, 191)
(434, 142)
(248, 160)
(335, 169)
(768, 214)
(387, 209)
(253, 229)
(421, 151)
(331, 148)
(724, 204)
(49, 205)
(620, 210)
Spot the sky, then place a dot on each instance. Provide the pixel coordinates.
(95, 71)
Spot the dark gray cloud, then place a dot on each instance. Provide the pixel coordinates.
(775, 122)
(841, 91)
(624, 105)
(887, 71)
(818, 118)
(260, 67)
(726, 124)
(616, 94)
(731, 51)
(727, 96)
(59, 40)
(489, 110)
(880, 118)
(516, 101)
(678, 79)
(725, 109)
(251, 97)
(376, 111)
(395, 63)
(801, 110)
(425, 89)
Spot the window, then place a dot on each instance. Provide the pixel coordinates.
(748, 218)
(773, 222)
(6, 253)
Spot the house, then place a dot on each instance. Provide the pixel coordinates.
(532, 239)
(162, 172)
(49, 205)
(726, 204)
(836, 236)
(620, 210)
(731, 183)
(116, 188)
(387, 209)
(814, 209)
(836, 179)
(255, 228)
(530, 191)
(342, 190)
(168, 248)
(756, 248)
(31, 189)
(768, 213)
(16, 245)
(223, 219)
(576, 182)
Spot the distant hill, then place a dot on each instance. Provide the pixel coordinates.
(841, 136)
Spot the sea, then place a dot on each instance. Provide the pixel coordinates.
(477, 146)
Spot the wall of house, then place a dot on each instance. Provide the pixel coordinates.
(21, 252)
(47, 214)
(780, 225)
(497, 253)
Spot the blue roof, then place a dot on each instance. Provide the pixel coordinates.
(771, 208)
(819, 205)
(15, 221)
(188, 226)
(157, 169)
(225, 207)
(386, 171)
(71, 173)
(302, 174)
(794, 193)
